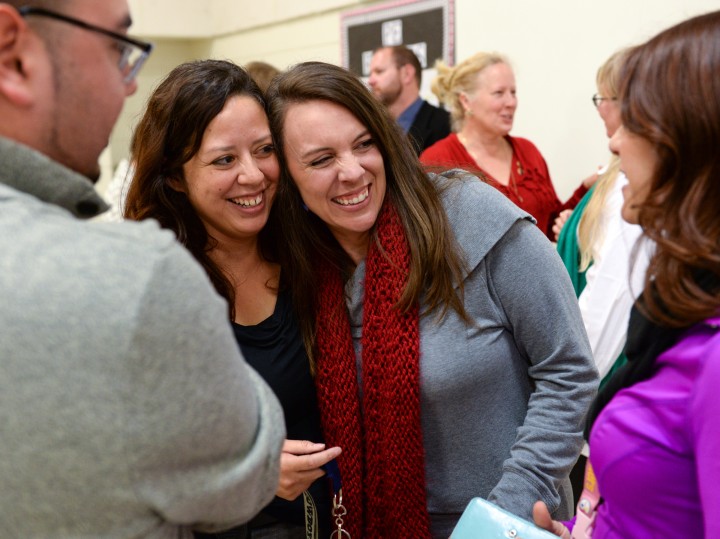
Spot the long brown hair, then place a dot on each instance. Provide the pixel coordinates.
(168, 136)
(670, 96)
(436, 263)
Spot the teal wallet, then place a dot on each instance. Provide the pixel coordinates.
(484, 520)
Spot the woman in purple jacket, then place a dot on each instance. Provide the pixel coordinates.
(655, 428)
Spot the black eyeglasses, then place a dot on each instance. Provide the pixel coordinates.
(133, 52)
(597, 99)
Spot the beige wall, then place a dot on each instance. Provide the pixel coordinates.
(282, 32)
(320, 41)
(555, 48)
(212, 18)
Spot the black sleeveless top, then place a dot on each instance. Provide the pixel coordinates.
(274, 348)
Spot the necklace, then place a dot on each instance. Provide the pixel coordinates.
(513, 182)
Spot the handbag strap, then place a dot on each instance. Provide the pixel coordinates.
(311, 524)
(338, 509)
(587, 505)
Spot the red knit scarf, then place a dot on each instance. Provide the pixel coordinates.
(383, 463)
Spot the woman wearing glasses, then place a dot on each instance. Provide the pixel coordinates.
(599, 248)
(205, 168)
(480, 93)
(655, 427)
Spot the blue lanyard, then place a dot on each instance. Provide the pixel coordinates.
(338, 510)
(333, 472)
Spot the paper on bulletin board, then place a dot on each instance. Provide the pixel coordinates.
(425, 26)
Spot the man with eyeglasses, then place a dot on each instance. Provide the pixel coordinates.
(126, 409)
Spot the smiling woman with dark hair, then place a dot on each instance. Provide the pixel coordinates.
(451, 361)
(205, 168)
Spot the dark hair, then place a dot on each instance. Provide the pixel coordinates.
(670, 96)
(436, 263)
(168, 136)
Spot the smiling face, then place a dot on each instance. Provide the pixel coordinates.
(491, 107)
(338, 170)
(638, 161)
(232, 179)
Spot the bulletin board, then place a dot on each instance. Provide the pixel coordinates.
(425, 26)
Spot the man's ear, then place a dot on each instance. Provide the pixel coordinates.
(407, 74)
(19, 48)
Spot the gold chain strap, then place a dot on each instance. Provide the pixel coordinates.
(338, 512)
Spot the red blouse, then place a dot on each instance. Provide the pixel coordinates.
(530, 186)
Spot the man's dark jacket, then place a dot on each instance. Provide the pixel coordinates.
(431, 124)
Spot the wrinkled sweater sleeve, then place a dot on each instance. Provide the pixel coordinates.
(531, 288)
(204, 432)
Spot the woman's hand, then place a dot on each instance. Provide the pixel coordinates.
(590, 180)
(300, 466)
(542, 518)
(560, 222)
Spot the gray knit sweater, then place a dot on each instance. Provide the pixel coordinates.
(126, 409)
(503, 400)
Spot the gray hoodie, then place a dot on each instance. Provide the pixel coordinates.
(503, 400)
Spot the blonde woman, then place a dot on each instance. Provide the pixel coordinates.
(597, 246)
(481, 96)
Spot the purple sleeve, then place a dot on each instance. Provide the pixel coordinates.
(705, 407)
(570, 524)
